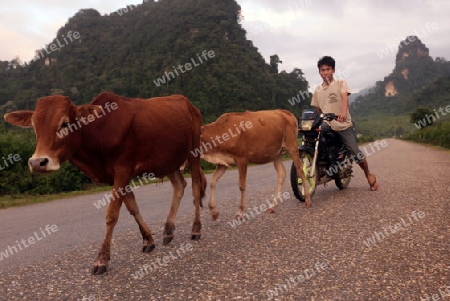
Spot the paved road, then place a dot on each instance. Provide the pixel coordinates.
(393, 244)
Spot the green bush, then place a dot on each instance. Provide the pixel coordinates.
(16, 178)
(436, 135)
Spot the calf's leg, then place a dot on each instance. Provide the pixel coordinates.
(242, 168)
(281, 176)
(220, 170)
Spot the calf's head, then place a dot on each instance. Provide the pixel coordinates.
(58, 129)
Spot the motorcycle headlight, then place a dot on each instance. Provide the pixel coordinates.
(306, 125)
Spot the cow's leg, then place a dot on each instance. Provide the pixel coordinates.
(178, 184)
(220, 170)
(148, 242)
(281, 176)
(112, 216)
(242, 168)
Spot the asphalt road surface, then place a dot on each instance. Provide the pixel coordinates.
(354, 244)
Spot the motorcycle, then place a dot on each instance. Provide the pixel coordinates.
(323, 155)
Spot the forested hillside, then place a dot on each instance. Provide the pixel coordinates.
(142, 51)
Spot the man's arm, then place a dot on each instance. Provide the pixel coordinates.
(344, 90)
(343, 116)
(315, 103)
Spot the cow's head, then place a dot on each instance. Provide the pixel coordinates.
(56, 123)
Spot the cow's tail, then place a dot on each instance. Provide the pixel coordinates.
(198, 177)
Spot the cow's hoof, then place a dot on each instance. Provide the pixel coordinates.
(215, 216)
(196, 236)
(98, 270)
(167, 240)
(270, 210)
(238, 216)
(148, 248)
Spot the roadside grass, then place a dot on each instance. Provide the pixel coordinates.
(430, 145)
(8, 201)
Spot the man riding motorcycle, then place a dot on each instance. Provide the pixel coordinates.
(332, 97)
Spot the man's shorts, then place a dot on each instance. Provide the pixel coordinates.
(348, 137)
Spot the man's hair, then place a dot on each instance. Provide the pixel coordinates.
(326, 60)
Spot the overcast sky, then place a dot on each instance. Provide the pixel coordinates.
(354, 32)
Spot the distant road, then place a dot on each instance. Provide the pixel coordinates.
(393, 244)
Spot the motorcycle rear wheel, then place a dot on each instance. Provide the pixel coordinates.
(296, 182)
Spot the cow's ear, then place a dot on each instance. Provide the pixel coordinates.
(19, 118)
(86, 110)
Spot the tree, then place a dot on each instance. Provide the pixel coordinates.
(400, 131)
(274, 60)
(422, 117)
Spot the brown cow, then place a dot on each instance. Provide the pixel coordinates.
(250, 137)
(117, 139)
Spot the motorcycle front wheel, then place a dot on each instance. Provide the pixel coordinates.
(296, 181)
